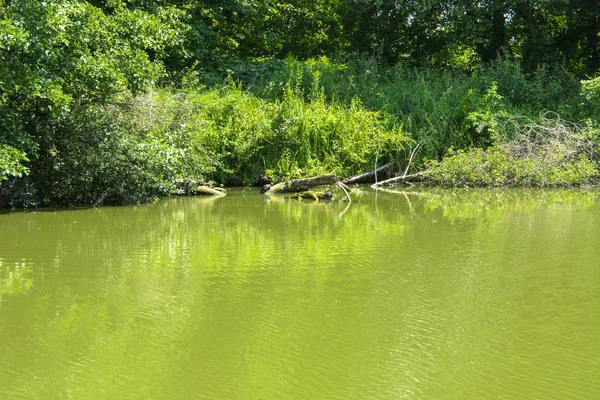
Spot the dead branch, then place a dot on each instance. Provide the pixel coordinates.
(344, 187)
(412, 154)
(549, 137)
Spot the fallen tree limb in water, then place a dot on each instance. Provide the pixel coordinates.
(213, 191)
(302, 185)
(368, 177)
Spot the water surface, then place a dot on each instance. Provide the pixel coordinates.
(410, 295)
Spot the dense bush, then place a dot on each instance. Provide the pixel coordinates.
(93, 156)
(496, 167)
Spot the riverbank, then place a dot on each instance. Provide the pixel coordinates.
(290, 119)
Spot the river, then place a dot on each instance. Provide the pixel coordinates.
(418, 294)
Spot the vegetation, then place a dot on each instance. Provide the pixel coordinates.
(120, 101)
(547, 152)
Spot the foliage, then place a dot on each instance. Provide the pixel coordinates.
(442, 108)
(441, 33)
(591, 90)
(11, 162)
(146, 146)
(495, 167)
(241, 136)
(58, 55)
(94, 156)
(455, 33)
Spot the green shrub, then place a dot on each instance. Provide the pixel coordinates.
(475, 167)
(546, 152)
(62, 55)
(94, 157)
(495, 167)
(100, 155)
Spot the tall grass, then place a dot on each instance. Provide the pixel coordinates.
(241, 136)
(443, 108)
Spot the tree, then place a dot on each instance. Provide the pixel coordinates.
(60, 54)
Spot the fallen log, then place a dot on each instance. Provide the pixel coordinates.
(312, 195)
(301, 185)
(213, 191)
(368, 177)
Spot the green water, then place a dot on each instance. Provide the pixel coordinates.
(420, 295)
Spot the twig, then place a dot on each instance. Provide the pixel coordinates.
(412, 154)
(340, 184)
(346, 187)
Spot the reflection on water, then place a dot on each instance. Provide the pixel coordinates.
(433, 294)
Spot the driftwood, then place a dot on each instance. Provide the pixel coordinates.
(368, 177)
(213, 191)
(312, 195)
(302, 185)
